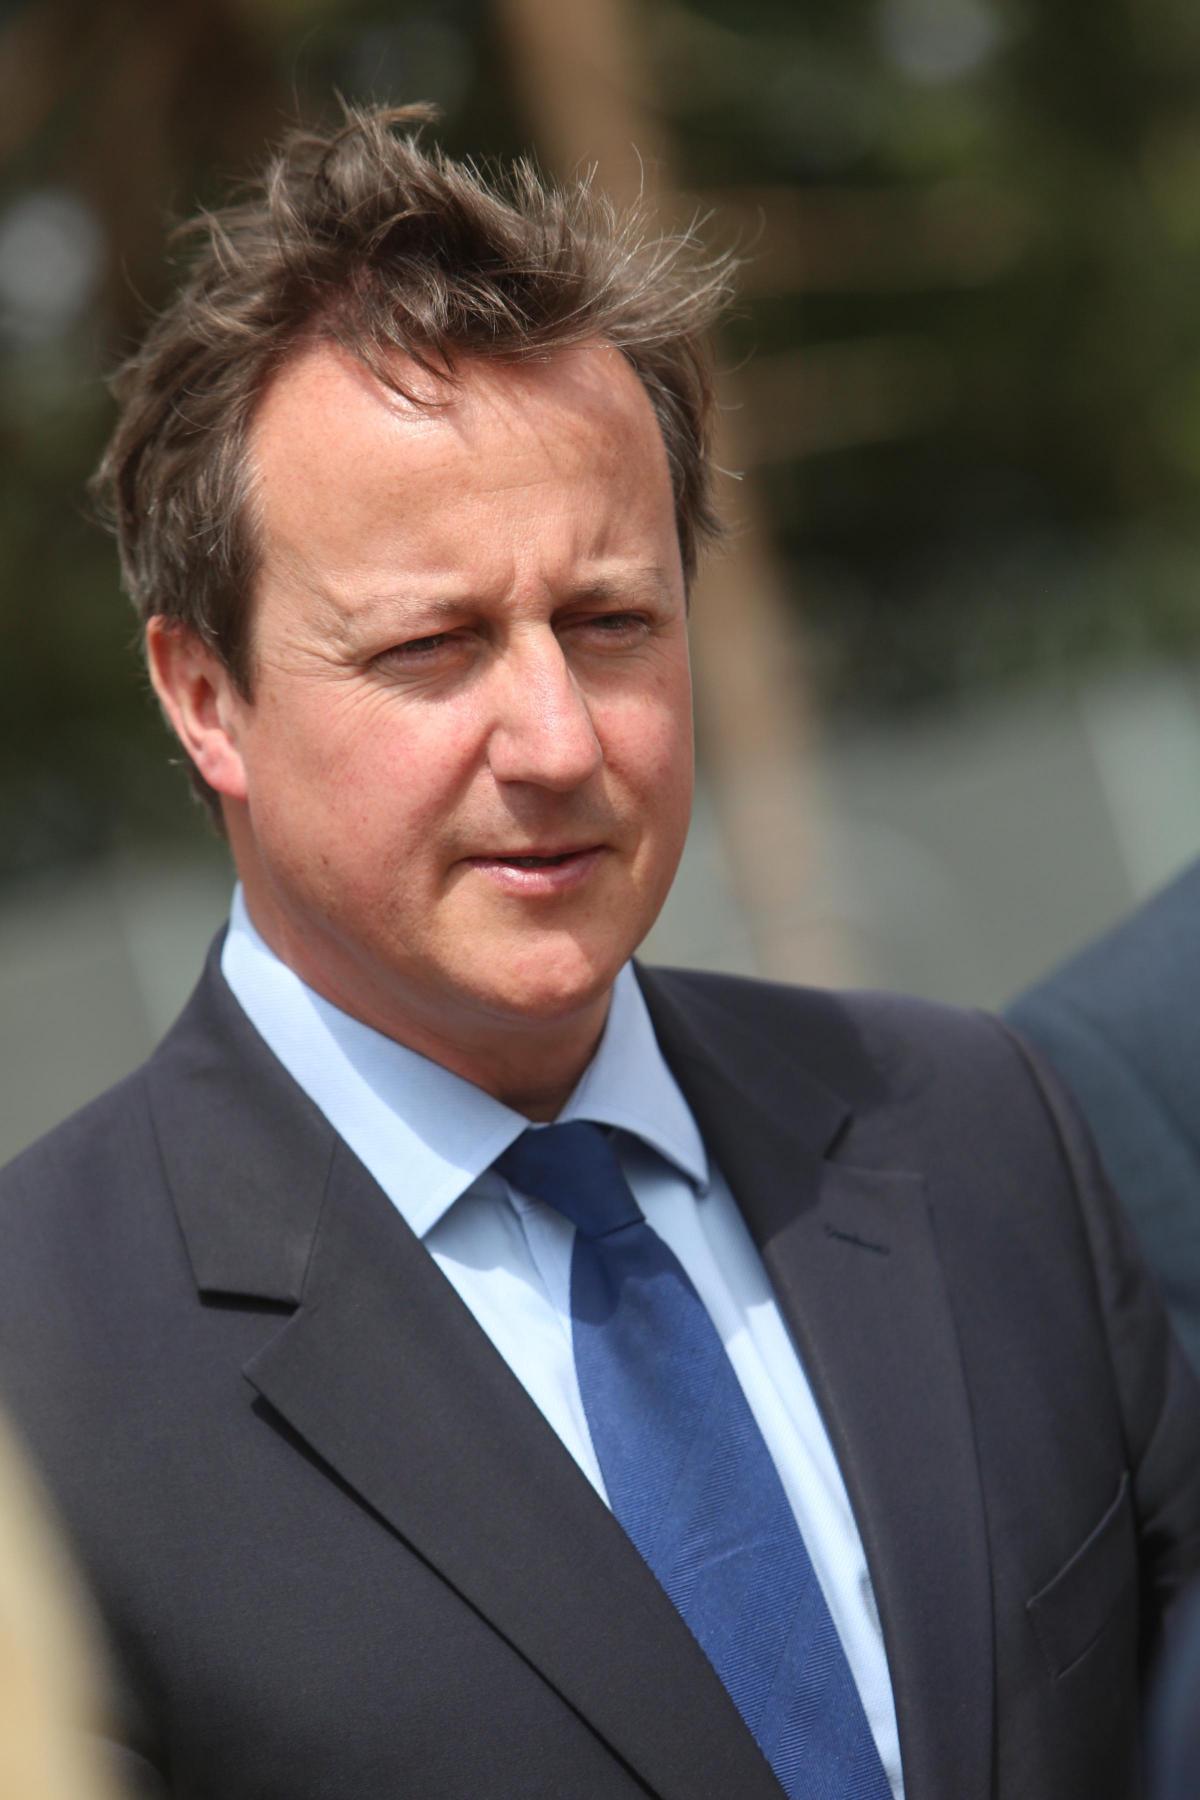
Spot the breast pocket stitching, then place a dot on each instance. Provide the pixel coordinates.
(1071, 1611)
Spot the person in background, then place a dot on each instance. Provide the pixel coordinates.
(469, 1363)
(1118, 1022)
(1174, 1738)
(50, 1678)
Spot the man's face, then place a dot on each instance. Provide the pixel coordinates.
(462, 787)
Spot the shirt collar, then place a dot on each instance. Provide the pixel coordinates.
(424, 1133)
(628, 1084)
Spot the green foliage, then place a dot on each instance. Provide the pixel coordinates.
(1046, 510)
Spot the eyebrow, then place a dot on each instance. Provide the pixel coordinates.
(635, 580)
(626, 584)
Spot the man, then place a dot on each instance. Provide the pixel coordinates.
(788, 1416)
(1118, 1024)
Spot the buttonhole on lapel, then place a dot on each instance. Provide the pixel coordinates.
(217, 1301)
(852, 1237)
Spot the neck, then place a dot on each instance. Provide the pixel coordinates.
(530, 1064)
(526, 1067)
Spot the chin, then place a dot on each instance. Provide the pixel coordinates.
(557, 985)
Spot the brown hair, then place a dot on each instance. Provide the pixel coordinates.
(364, 237)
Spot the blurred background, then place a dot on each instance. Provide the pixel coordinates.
(949, 663)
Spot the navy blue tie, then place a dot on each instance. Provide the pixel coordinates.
(689, 1476)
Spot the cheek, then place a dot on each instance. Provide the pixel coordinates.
(651, 749)
(364, 765)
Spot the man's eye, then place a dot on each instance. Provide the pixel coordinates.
(417, 649)
(615, 625)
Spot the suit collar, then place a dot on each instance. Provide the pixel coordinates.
(425, 1133)
(247, 1155)
(716, 1046)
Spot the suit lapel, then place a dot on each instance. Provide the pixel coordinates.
(853, 1260)
(383, 1373)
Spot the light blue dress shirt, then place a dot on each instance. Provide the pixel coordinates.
(429, 1138)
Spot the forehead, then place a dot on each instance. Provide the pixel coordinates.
(331, 442)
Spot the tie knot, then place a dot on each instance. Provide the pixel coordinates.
(573, 1168)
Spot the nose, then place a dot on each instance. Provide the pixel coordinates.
(543, 733)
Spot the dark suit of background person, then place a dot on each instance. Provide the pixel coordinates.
(1174, 1736)
(1120, 1022)
(340, 1552)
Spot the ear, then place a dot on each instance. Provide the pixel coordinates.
(199, 697)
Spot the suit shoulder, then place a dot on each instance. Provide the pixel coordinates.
(112, 1139)
(1144, 966)
(91, 1258)
(752, 997)
(858, 1041)
(84, 1154)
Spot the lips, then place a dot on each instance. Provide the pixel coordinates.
(548, 870)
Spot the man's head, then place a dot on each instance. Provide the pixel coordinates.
(365, 239)
(409, 484)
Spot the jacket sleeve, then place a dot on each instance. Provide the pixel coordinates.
(1158, 1393)
(1132, 1110)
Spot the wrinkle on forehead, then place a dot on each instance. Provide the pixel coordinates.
(332, 446)
(566, 383)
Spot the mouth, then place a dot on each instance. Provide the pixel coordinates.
(549, 870)
(548, 857)
(552, 860)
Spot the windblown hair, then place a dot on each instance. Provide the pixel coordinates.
(364, 238)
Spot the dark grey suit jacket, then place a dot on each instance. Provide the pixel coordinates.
(1121, 1024)
(340, 1553)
